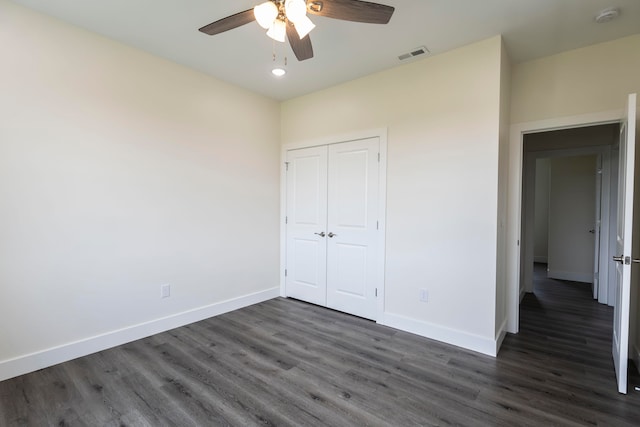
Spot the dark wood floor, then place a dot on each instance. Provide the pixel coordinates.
(284, 362)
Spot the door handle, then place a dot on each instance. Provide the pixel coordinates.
(321, 234)
(626, 260)
(636, 260)
(331, 234)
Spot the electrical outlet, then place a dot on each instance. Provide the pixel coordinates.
(424, 295)
(165, 291)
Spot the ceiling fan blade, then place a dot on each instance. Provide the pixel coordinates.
(229, 23)
(302, 48)
(351, 10)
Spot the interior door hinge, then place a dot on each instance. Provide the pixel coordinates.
(377, 225)
(376, 291)
(285, 272)
(286, 165)
(378, 157)
(286, 220)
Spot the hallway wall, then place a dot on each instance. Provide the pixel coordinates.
(571, 215)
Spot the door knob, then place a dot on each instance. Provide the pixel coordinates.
(625, 259)
(321, 234)
(331, 234)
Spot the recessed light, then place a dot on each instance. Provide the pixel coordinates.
(279, 72)
(607, 15)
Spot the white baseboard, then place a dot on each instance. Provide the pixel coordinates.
(636, 357)
(542, 259)
(32, 362)
(439, 333)
(502, 332)
(570, 275)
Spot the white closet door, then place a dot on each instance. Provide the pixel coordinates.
(352, 227)
(306, 225)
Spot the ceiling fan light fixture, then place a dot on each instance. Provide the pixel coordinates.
(278, 30)
(295, 10)
(287, 19)
(265, 14)
(304, 26)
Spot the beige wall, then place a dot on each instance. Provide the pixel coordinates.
(592, 79)
(443, 116)
(119, 172)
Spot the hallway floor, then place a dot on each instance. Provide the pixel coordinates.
(565, 333)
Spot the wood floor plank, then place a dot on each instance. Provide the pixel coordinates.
(206, 389)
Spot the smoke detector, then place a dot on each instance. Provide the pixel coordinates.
(607, 15)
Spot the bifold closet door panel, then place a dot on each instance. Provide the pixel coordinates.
(353, 172)
(306, 275)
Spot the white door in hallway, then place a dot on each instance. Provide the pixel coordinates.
(623, 245)
(334, 263)
(306, 275)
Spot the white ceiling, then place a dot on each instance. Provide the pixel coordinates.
(343, 50)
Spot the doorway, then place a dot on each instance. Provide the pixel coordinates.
(568, 224)
(624, 314)
(573, 272)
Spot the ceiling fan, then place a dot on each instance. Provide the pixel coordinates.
(289, 17)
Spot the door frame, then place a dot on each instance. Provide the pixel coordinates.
(381, 134)
(514, 195)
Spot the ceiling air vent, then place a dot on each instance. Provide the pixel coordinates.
(414, 52)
